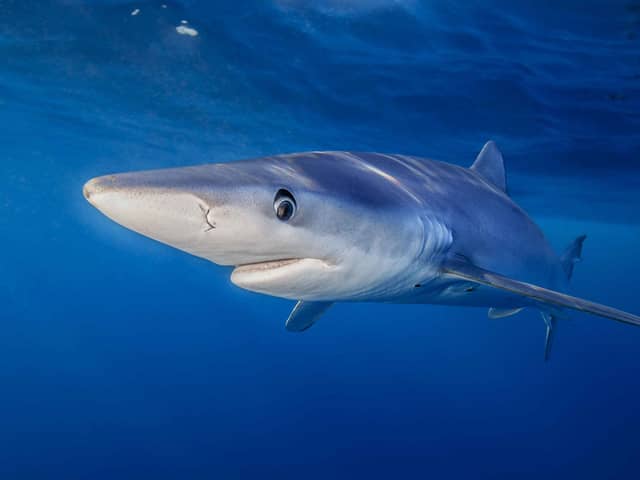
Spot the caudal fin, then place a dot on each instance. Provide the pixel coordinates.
(572, 255)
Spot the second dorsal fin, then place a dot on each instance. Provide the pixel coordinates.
(490, 166)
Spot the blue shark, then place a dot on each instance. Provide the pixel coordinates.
(327, 227)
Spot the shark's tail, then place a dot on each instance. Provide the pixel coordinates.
(572, 255)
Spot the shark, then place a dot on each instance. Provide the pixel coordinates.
(326, 227)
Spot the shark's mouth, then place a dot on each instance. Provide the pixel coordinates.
(293, 278)
(264, 266)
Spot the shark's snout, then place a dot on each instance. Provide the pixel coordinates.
(87, 190)
(143, 203)
(94, 187)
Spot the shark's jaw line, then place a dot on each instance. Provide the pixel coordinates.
(292, 278)
(267, 265)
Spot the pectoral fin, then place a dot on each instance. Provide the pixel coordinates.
(463, 269)
(305, 314)
(503, 312)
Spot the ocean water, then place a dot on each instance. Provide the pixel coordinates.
(123, 358)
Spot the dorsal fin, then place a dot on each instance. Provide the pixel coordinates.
(490, 165)
(572, 255)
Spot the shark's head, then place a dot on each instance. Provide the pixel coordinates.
(317, 226)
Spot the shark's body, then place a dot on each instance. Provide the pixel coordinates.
(324, 227)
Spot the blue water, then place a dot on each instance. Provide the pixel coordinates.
(122, 358)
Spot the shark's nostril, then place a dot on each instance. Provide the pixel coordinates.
(210, 225)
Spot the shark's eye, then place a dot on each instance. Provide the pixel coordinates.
(284, 205)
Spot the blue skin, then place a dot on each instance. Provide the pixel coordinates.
(487, 227)
(393, 199)
(364, 227)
